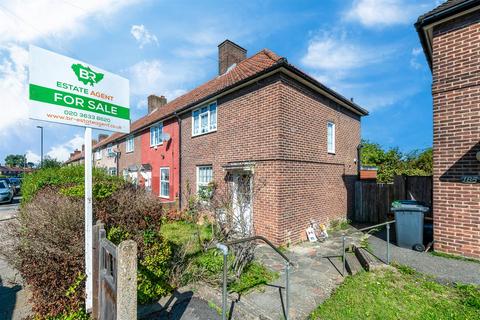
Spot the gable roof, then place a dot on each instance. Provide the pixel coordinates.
(260, 63)
(448, 9)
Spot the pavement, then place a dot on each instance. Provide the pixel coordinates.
(9, 210)
(445, 270)
(14, 303)
(315, 274)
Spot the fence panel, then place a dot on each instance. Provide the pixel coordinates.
(373, 200)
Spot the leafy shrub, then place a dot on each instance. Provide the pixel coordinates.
(47, 240)
(66, 177)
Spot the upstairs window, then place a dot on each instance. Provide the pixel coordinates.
(204, 119)
(110, 150)
(331, 137)
(130, 147)
(156, 134)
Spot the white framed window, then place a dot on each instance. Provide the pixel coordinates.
(112, 171)
(110, 150)
(165, 183)
(331, 137)
(125, 174)
(204, 177)
(98, 154)
(130, 144)
(204, 119)
(156, 134)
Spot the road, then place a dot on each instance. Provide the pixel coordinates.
(9, 210)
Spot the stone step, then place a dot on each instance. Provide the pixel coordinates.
(352, 264)
(368, 261)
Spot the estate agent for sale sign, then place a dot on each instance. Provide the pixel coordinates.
(69, 91)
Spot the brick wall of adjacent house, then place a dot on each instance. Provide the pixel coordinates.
(128, 159)
(106, 161)
(456, 96)
(282, 127)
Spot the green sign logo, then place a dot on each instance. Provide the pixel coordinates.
(86, 75)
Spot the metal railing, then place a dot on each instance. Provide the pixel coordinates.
(387, 224)
(224, 248)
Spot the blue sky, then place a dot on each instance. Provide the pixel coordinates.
(365, 49)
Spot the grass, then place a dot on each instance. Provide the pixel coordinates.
(181, 232)
(453, 256)
(254, 275)
(208, 265)
(338, 225)
(400, 293)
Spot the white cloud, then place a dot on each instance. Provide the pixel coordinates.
(32, 157)
(375, 13)
(29, 20)
(156, 77)
(13, 88)
(329, 52)
(62, 151)
(143, 36)
(414, 63)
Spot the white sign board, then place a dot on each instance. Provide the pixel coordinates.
(68, 91)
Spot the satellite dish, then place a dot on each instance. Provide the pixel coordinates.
(165, 137)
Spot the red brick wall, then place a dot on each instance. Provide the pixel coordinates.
(282, 127)
(165, 155)
(456, 114)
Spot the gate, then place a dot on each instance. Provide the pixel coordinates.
(115, 278)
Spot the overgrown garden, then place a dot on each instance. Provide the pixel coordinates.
(47, 240)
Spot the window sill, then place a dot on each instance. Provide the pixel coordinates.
(164, 197)
(129, 151)
(156, 145)
(332, 153)
(203, 133)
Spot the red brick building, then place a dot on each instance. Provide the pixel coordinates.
(450, 36)
(261, 123)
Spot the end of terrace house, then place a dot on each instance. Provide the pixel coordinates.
(262, 125)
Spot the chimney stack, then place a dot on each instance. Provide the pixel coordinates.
(102, 136)
(155, 102)
(229, 53)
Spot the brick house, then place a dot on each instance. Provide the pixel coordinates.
(149, 155)
(261, 122)
(450, 36)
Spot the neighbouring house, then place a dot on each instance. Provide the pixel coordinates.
(106, 157)
(76, 157)
(149, 155)
(13, 171)
(450, 36)
(263, 125)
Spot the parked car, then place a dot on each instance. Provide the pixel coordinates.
(6, 192)
(16, 184)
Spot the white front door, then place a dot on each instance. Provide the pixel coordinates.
(147, 176)
(242, 202)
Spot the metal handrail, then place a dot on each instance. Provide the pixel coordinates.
(224, 248)
(387, 223)
(229, 243)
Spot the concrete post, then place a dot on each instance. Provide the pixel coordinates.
(96, 267)
(127, 280)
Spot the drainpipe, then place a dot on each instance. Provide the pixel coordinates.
(179, 159)
(359, 157)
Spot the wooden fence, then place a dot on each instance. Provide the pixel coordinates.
(373, 200)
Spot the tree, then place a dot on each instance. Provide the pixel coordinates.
(393, 162)
(49, 162)
(15, 160)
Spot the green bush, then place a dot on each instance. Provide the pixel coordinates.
(47, 240)
(71, 181)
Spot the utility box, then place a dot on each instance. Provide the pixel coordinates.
(409, 217)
